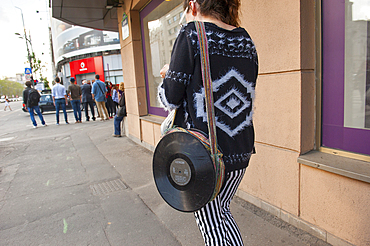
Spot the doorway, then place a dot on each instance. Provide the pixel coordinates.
(87, 76)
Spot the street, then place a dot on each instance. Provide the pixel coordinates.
(77, 185)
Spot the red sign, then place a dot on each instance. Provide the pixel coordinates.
(83, 66)
(88, 65)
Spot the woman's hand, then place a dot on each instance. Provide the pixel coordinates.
(164, 70)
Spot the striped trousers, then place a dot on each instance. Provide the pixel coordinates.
(215, 220)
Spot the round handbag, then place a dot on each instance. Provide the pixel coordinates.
(184, 173)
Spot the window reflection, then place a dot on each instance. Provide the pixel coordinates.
(357, 64)
(46, 98)
(70, 38)
(161, 28)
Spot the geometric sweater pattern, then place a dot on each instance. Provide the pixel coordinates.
(234, 69)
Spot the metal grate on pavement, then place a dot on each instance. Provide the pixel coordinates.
(107, 187)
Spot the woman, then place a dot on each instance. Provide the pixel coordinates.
(7, 104)
(109, 101)
(121, 111)
(115, 98)
(234, 69)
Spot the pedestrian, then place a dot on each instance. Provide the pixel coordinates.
(97, 110)
(109, 102)
(7, 104)
(234, 69)
(31, 98)
(115, 98)
(60, 99)
(74, 93)
(121, 113)
(87, 100)
(99, 92)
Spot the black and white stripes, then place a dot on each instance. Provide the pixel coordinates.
(215, 220)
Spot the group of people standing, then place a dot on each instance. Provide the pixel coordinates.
(104, 95)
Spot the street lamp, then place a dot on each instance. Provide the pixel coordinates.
(27, 40)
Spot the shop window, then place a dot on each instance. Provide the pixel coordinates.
(346, 75)
(115, 79)
(112, 79)
(156, 32)
(119, 79)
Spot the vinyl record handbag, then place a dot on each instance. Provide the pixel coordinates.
(187, 165)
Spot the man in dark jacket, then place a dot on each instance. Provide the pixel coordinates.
(74, 93)
(32, 106)
(87, 100)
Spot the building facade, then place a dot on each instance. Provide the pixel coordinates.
(82, 52)
(312, 166)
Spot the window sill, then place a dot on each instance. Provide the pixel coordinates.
(153, 119)
(347, 167)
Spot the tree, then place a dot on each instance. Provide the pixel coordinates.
(10, 88)
(37, 67)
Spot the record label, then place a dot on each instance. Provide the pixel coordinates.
(180, 172)
(183, 170)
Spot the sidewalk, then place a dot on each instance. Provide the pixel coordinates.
(134, 162)
(67, 190)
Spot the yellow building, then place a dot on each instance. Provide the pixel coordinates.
(312, 113)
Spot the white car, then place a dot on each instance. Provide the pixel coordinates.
(2, 99)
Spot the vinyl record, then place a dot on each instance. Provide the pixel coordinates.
(183, 171)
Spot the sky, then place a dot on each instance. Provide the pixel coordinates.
(13, 50)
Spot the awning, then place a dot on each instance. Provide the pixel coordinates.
(96, 14)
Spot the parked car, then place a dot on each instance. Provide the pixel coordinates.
(46, 103)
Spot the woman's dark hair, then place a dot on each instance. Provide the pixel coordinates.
(226, 11)
(107, 86)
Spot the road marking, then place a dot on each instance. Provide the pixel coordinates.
(12, 111)
(65, 226)
(6, 139)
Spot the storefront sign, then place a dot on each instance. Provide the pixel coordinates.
(88, 65)
(83, 66)
(125, 29)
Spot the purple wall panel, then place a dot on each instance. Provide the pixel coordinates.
(334, 134)
(356, 140)
(333, 62)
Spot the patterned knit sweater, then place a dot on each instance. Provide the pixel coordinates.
(234, 69)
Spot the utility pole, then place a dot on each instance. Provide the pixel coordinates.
(27, 40)
(50, 40)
